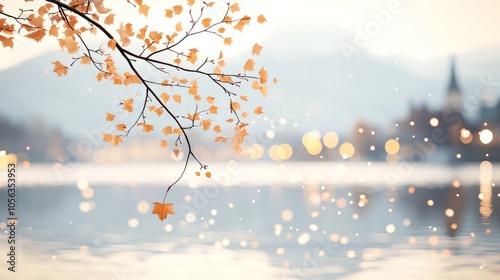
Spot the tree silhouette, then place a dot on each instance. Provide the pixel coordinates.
(159, 56)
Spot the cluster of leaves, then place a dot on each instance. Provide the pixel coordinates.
(167, 51)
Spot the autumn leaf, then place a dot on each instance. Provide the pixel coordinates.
(263, 76)
(60, 69)
(110, 117)
(228, 41)
(190, 2)
(178, 131)
(7, 41)
(261, 19)
(121, 127)
(208, 174)
(110, 19)
(177, 98)
(167, 130)
(165, 97)
(163, 144)
(163, 209)
(144, 9)
(177, 9)
(106, 137)
(249, 65)
(37, 35)
(210, 99)
(206, 22)
(192, 57)
(256, 49)
(193, 89)
(147, 128)
(213, 109)
(169, 13)
(53, 31)
(159, 112)
(128, 105)
(176, 152)
(258, 110)
(234, 7)
(85, 60)
(178, 27)
(275, 80)
(217, 129)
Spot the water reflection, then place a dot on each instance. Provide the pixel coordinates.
(313, 231)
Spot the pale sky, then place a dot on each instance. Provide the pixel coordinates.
(421, 30)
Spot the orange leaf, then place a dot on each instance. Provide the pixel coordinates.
(128, 105)
(144, 9)
(60, 69)
(107, 137)
(221, 30)
(169, 13)
(110, 19)
(36, 35)
(165, 97)
(53, 31)
(190, 2)
(167, 130)
(177, 9)
(255, 85)
(177, 61)
(217, 129)
(249, 65)
(258, 110)
(147, 128)
(163, 144)
(208, 174)
(206, 22)
(192, 57)
(210, 99)
(112, 44)
(244, 97)
(121, 127)
(85, 60)
(193, 89)
(213, 109)
(197, 173)
(263, 76)
(142, 32)
(177, 98)
(178, 131)
(263, 90)
(110, 117)
(228, 41)
(178, 27)
(235, 105)
(261, 19)
(7, 41)
(162, 210)
(234, 7)
(159, 111)
(117, 139)
(256, 49)
(275, 80)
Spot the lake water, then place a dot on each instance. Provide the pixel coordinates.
(292, 230)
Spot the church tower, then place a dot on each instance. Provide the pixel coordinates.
(454, 97)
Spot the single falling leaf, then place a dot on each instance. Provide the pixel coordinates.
(128, 105)
(177, 9)
(221, 30)
(163, 209)
(121, 127)
(190, 2)
(261, 19)
(244, 98)
(144, 9)
(235, 106)
(177, 61)
(206, 22)
(60, 69)
(256, 49)
(255, 85)
(258, 110)
(163, 144)
(249, 65)
(110, 19)
(275, 80)
(169, 13)
(197, 173)
(228, 41)
(110, 117)
(208, 174)
(210, 99)
(217, 129)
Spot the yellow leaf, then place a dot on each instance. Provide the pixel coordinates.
(177, 9)
(163, 144)
(208, 174)
(213, 109)
(165, 97)
(234, 7)
(144, 9)
(228, 41)
(256, 49)
(60, 69)
(167, 130)
(121, 127)
(258, 110)
(261, 19)
(249, 65)
(178, 27)
(162, 210)
(128, 105)
(206, 22)
(110, 117)
(177, 98)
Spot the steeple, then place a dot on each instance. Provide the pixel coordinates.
(454, 98)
